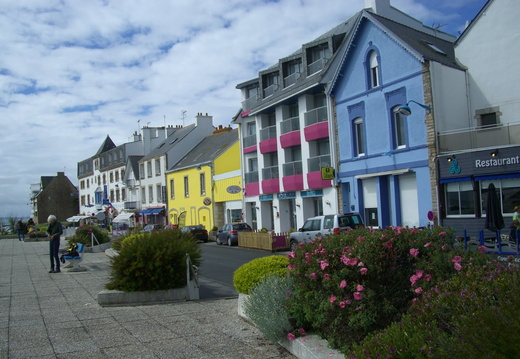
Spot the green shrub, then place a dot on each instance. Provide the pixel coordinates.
(84, 235)
(475, 312)
(348, 286)
(249, 274)
(266, 307)
(153, 261)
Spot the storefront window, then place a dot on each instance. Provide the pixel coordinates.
(459, 199)
(508, 191)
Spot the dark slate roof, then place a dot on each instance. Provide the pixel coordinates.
(171, 141)
(45, 180)
(107, 144)
(209, 149)
(133, 161)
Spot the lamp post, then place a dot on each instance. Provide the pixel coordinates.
(407, 111)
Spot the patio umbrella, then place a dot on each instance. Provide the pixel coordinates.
(494, 218)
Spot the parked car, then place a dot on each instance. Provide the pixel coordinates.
(197, 231)
(325, 225)
(228, 233)
(151, 228)
(171, 227)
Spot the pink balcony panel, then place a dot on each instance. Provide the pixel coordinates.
(314, 180)
(271, 186)
(249, 149)
(268, 146)
(252, 189)
(293, 183)
(316, 131)
(290, 139)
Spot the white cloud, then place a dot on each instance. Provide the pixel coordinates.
(73, 71)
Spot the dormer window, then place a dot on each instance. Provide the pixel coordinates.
(317, 58)
(291, 72)
(374, 69)
(271, 83)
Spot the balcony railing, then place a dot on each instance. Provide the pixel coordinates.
(130, 183)
(316, 115)
(270, 173)
(251, 177)
(291, 79)
(317, 163)
(267, 133)
(289, 125)
(473, 138)
(249, 141)
(317, 65)
(268, 91)
(132, 205)
(250, 102)
(292, 168)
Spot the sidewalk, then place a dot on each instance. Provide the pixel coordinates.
(47, 316)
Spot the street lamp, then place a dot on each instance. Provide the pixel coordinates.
(407, 111)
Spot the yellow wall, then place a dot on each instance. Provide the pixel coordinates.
(197, 212)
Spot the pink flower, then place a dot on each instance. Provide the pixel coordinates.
(418, 290)
(326, 276)
(291, 255)
(363, 271)
(456, 259)
(332, 298)
(482, 249)
(307, 255)
(428, 277)
(419, 273)
(389, 244)
(291, 336)
(288, 293)
(302, 331)
(414, 252)
(443, 248)
(427, 244)
(348, 301)
(361, 264)
(442, 233)
(358, 308)
(358, 295)
(323, 265)
(312, 275)
(343, 284)
(359, 288)
(457, 266)
(344, 260)
(414, 280)
(289, 267)
(342, 304)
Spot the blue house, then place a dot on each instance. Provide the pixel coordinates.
(386, 152)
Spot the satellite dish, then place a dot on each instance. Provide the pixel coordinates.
(100, 216)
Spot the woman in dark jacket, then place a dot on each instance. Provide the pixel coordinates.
(54, 232)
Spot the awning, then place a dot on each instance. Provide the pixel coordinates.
(493, 177)
(384, 173)
(156, 211)
(145, 212)
(123, 217)
(450, 180)
(76, 218)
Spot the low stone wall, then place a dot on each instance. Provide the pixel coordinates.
(120, 298)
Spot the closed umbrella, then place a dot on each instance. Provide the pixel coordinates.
(494, 218)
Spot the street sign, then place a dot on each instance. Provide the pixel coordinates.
(431, 216)
(327, 173)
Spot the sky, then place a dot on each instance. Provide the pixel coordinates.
(73, 71)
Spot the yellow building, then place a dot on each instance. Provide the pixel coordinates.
(205, 187)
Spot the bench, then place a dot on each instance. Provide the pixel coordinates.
(75, 260)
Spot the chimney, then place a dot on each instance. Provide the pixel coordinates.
(204, 119)
(380, 7)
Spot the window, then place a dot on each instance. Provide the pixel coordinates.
(158, 167)
(112, 198)
(123, 194)
(359, 137)
(488, 117)
(317, 57)
(118, 194)
(111, 177)
(117, 176)
(251, 128)
(186, 187)
(399, 129)
(150, 194)
(143, 195)
(459, 199)
(141, 171)
(202, 184)
(158, 193)
(149, 169)
(172, 189)
(253, 164)
(374, 69)
(508, 191)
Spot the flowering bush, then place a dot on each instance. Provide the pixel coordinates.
(84, 235)
(473, 313)
(350, 285)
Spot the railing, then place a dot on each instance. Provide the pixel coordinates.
(130, 183)
(317, 163)
(132, 205)
(289, 125)
(251, 177)
(472, 138)
(250, 102)
(267, 133)
(268, 91)
(270, 173)
(316, 115)
(291, 79)
(292, 168)
(249, 141)
(317, 65)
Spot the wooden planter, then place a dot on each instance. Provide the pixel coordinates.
(263, 240)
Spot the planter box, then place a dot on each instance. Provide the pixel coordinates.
(117, 297)
(263, 240)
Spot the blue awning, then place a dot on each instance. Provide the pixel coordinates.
(156, 210)
(145, 212)
(450, 180)
(493, 177)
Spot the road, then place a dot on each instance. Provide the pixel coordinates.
(218, 265)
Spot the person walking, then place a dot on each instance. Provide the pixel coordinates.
(515, 224)
(19, 227)
(54, 231)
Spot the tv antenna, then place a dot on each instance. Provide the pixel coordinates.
(183, 116)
